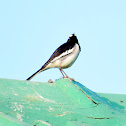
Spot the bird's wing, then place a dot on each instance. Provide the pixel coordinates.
(59, 51)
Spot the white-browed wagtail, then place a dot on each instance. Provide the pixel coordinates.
(63, 57)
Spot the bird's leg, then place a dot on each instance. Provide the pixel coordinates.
(68, 76)
(65, 73)
(61, 71)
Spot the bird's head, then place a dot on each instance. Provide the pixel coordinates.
(73, 38)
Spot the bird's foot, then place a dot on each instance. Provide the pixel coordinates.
(69, 78)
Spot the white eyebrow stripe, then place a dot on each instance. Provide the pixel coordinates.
(63, 54)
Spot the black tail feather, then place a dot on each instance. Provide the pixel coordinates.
(34, 74)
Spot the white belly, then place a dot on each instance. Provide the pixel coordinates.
(65, 60)
(70, 59)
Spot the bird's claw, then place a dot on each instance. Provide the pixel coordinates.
(69, 78)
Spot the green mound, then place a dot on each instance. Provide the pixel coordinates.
(62, 103)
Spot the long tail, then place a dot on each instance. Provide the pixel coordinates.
(34, 74)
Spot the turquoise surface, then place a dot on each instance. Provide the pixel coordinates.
(64, 103)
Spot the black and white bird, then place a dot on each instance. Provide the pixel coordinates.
(63, 57)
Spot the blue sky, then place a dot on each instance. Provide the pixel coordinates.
(30, 31)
